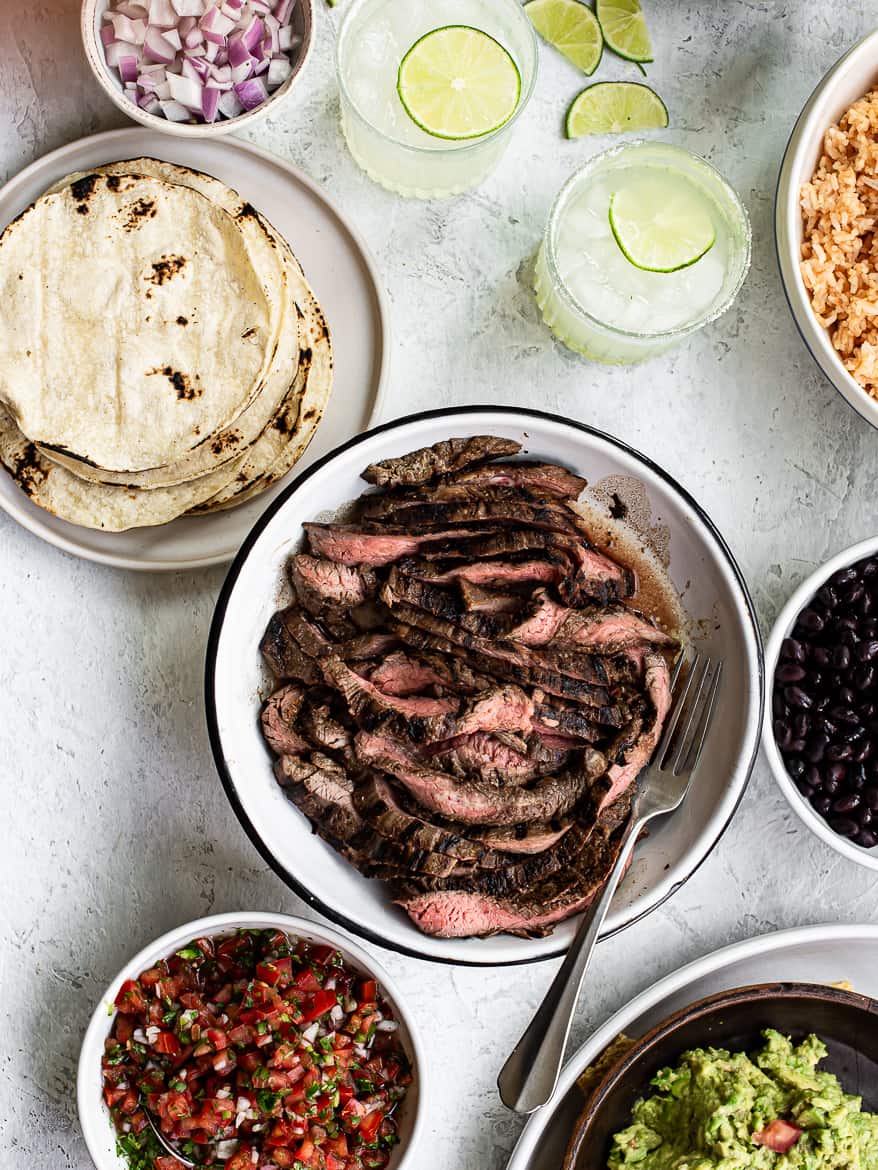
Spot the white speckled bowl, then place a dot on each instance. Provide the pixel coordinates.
(94, 1117)
(849, 79)
(701, 565)
(111, 84)
(782, 627)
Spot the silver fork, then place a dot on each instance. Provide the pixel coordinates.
(528, 1078)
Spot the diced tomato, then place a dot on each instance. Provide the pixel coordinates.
(322, 954)
(283, 1157)
(321, 1003)
(173, 1106)
(217, 1038)
(305, 980)
(368, 991)
(332, 1163)
(338, 1146)
(124, 1029)
(369, 1126)
(353, 1110)
(113, 1094)
(276, 972)
(129, 1102)
(250, 1061)
(283, 1133)
(166, 1162)
(167, 1044)
(215, 1113)
(130, 999)
(286, 1055)
(241, 1159)
(305, 1152)
(778, 1136)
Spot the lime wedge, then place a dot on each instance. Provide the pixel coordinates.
(458, 82)
(624, 28)
(570, 27)
(661, 223)
(613, 107)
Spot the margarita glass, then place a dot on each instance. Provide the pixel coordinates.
(596, 300)
(391, 148)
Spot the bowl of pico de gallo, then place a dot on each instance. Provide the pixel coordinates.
(251, 1042)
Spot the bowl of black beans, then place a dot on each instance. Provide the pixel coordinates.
(821, 728)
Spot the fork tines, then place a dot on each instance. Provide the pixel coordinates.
(694, 689)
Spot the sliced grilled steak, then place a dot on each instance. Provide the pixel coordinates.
(365, 646)
(440, 459)
(351, 545)
(492, 761)
(284, 655)
(637, 756)
(478, 599)
(322, 584)
(478, 803)
(485, 574)
(533, 838)
(399, 674)
(378, 804)
(424, 631)
(279, 718)
(444, 603)
(324, 730)
(420, 718)
(609, 630)
(325, 794)
(583, 571)
(462, 914)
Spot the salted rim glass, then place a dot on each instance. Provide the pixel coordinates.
(527, 69)
(718, 190)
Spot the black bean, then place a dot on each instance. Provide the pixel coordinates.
(866, 651)
(856, 778)
(830, 786)
(852, 594)
(805, 788)
(841, 658)
(796, 697)
(846, 696)
(864, 677)
(846, 623)
(814, 680)
(844, 715)
(812, 776)
(839, 751)
(836, 772)
(796, 746)
(821, 804)
(867, 709)
(815, 748)
(827, 596)
(843, 576)
(822, 703)
(865, 817)
(800, 724)
(782, 733)
(848, 637)
(820, 656)
(795, 767)
(810, 620)
(790, 672)
(866, 605)
(844, 826)
(871, 797)
(847, 804)
(778, 706)
(869, 569)
(863, 752)
(866, 838)
(792, 650)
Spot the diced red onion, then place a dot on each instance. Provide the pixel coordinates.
(192, 60)
(251, 93)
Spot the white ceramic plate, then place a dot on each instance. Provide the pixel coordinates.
(852, 76)
(783, 626)
(811, 954)
(343, 275)
(94, 1117)
(236, 678)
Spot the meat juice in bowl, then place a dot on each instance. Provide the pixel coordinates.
(429, 95)
(645, 244)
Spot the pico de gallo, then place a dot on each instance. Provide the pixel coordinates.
(255, 1051)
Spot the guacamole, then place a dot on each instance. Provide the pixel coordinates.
(776, 1110)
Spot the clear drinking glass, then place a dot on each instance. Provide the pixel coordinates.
(601, 305)
(374, 37)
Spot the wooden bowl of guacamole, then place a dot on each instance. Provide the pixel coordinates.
(782, 1074)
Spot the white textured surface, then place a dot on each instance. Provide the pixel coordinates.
(115, 824)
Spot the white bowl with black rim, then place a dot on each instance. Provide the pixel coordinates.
(849, 79)
(782, 629)
(94, 1116)
(111, 83)
(236, 680)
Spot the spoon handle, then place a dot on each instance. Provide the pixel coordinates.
(528, 1078)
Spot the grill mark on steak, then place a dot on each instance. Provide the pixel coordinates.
(478, 599)
(531, 914)
(278, 721)
(365, 646)
(491, 760)
(516, 664)
(610, 630)
(323, 729)
(478, 803)
(418, 717)
(321, 584)
(484, 573)
(283, 654)
(637, 756)
(443, 603)
(353, 545)
(449, 455)
(532, 838)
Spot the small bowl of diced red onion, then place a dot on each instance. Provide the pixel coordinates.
(197, 67)
(250, 1042)
(821, 726)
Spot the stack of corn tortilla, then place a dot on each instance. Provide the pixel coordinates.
(161, 352)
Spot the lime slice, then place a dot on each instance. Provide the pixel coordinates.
(570, 27)
(458, 82)
(661, 223)
(612, 107)
(624, 28)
